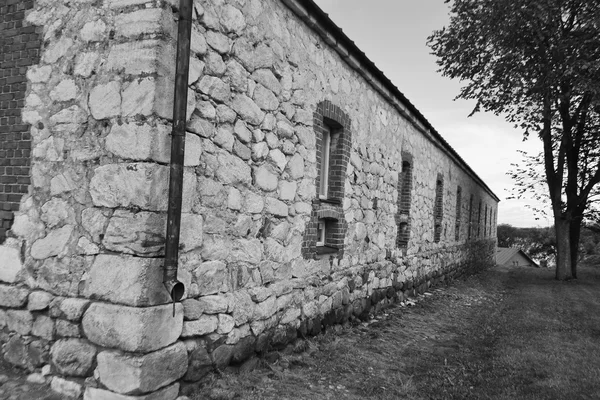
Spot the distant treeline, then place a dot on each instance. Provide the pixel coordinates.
(540, 243)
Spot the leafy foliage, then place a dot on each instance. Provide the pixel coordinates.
(537, 62)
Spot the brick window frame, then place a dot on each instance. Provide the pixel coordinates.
(458, 213)
(479, 220)
(327, 210)
(470, 227)
(438, 208)
(485, 223)
(404, 201)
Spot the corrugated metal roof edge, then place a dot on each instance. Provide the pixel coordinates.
(306, 9)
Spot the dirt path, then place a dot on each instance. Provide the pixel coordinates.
(502, 334)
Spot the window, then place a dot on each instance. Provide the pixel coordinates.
(470, 217)
(321, 227)
(485, 223)
(458, 214)
(324, 172)
(326, 230)
(403, 203)
(438, 208)
(479, 220)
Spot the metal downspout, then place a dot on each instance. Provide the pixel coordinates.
(173, 286)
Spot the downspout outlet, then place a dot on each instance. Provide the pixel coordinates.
(175, 288)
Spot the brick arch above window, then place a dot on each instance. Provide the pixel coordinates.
(333, 135)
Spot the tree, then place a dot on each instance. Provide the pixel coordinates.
(537, 62)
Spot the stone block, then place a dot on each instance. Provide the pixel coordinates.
(144, 22)
(140, 233)
(135, 374)
(73, 357)
(199, 365)
(265, 309)
(67, 389)
(226, 324)
(215, 88)
(25, 353)
(246, 250)
(65, 328)
(142, 57)
(105, 100)
(265, 179)
(11, 264)
(39, 301)
(212, 277)
(13, 296)
(276, 207)
(127, 280)
(139, 142)
(192, 309)
(203, 326)
(43, 327)
(19, 321)
(168, 393)
(71, 308)
(133, 329)
(243, 307)
(138, 97)
(143, 185)
(216, 304)
(247, 109)
(54, 244)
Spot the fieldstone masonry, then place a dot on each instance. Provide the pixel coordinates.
(81, 294)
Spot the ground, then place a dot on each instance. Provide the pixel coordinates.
(506, 333)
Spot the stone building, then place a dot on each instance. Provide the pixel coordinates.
(313, 191)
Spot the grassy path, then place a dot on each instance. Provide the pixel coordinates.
(503, 334)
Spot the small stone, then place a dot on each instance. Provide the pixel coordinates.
(218, 41)
(69, 389)
(39, 301)
(12, 296)
(215, 88)
(265, 99)
(19, 321)
(247, 109)
(226, 324)
(66, 90)
(43, 327)
(232, 20)
(203, 326)
(278, 158)
(265, 179)
(276, 207)
(36, 378)
(296, 167)
(73, 357)
(73, 308)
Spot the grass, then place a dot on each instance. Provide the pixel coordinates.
(503, 334)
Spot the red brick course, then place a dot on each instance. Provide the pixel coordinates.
(19, 48)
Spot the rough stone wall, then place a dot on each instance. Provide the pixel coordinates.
(19, 49)
(82, 296)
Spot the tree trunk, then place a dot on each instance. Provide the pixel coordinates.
(563, 249)
(574, 235)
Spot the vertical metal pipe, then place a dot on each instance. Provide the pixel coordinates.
(173, 286)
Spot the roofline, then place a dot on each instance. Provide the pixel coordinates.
(527, 257)
(319, 21)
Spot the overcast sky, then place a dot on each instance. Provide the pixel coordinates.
(393, 34)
